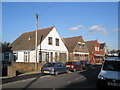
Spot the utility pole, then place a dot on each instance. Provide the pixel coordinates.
(40, 48)
(36, 40)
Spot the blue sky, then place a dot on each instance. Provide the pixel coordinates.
(92, 20)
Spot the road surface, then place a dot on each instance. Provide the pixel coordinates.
(78, 79)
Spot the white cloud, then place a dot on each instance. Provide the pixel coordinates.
(97, 29)
(76, 28)
(117, 30)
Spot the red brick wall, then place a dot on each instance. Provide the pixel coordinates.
(91, 59)
(26, 66)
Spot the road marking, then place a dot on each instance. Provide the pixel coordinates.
(75, 79)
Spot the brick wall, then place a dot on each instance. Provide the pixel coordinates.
(26, 66)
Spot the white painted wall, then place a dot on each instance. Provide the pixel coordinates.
(54, 34)
(53, 48)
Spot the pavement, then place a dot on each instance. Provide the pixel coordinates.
(27, 75)
(32, 72)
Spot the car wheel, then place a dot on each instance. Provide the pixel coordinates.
(56, 73)
(74, 70)
(67, 71)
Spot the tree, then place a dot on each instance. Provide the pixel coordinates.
(6, 47)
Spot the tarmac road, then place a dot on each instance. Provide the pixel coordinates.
(78, 79)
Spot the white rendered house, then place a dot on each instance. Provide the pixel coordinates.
(50, 48)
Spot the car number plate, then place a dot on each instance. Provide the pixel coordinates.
(68, 66)
(113, 84)
(46, 71)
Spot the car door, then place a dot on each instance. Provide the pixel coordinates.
(63, 67)
(77, 64)
(59, 69)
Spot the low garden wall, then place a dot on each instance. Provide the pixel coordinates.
(26, 66)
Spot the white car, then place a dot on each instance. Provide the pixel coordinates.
(109, 75)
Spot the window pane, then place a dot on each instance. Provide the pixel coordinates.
(50, 40)
(57, 42)
(49, 65)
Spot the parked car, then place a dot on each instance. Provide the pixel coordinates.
(73, 66)
(54, 68)
(82, 62)
(85, 64)
(109, 74)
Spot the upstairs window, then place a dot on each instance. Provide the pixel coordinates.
(83, 46)
(95, 48)
(50, 40)
(79, 47)
(98, 49)
(57, 42)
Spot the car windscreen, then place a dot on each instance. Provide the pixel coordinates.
(49, 65)
(82, 62)
(111, 65)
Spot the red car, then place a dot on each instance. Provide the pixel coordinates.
(73, 66)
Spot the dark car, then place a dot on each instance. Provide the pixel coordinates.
(54, 68)
(85, 64)
(73, 66)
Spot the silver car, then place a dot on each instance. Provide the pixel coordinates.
(109, 75)
(54, 68)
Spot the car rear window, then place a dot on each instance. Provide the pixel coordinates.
(72, 63)
(111, 65)
(82, 62)
(69, 63)
(49, 65)
(76, 63)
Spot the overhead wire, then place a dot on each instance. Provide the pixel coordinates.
(32, 7)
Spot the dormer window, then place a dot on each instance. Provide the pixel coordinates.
(29, 38)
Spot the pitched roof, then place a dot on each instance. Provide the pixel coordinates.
(26, 41)
(90, 45)
(71, 42)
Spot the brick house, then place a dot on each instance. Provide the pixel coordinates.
(49, 49)
(76, 48)
(95, 54)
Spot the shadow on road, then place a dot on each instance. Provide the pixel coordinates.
(26, 87)
(23, 77)
(86, 84)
